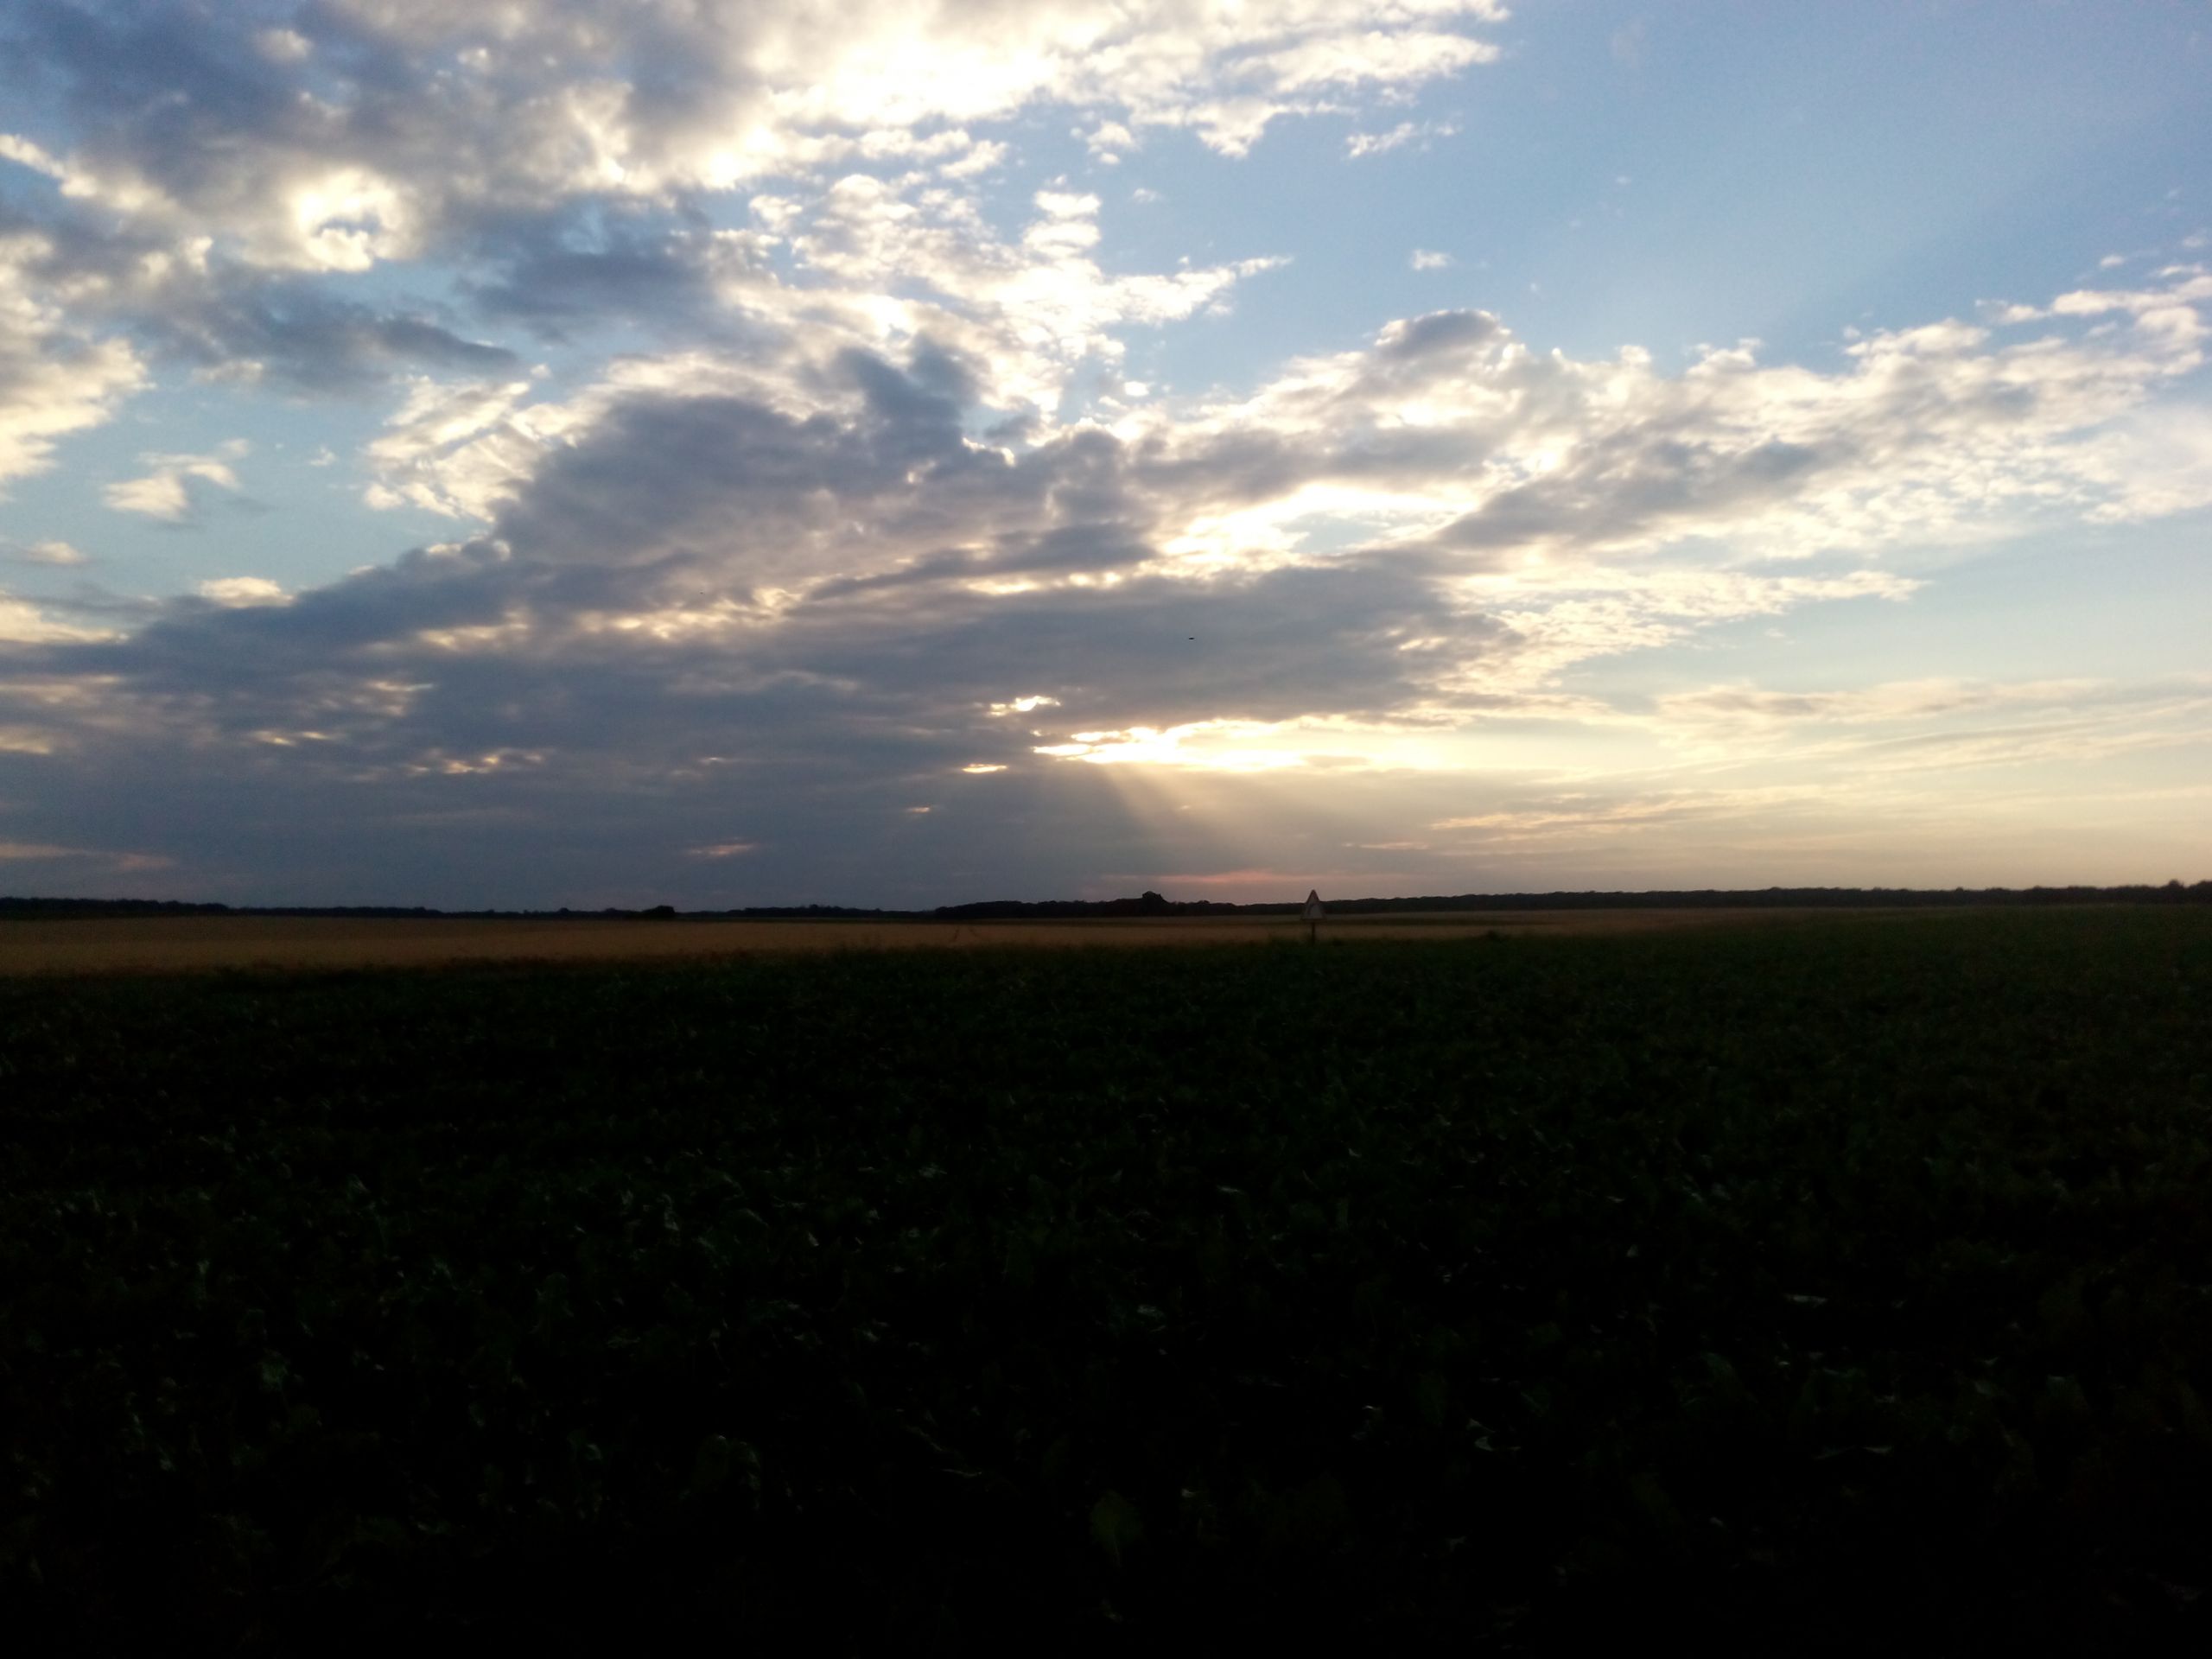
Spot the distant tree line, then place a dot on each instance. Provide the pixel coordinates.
(1153, 904)
(1149, 904)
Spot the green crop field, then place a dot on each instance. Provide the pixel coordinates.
(1783, 1287)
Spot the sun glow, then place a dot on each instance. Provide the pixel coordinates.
(348, 221)
(1150, 745)
(1276, 532)
(1250, 746)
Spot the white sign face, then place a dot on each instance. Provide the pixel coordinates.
(1314, 905)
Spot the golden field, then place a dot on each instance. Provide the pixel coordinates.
(154, 945)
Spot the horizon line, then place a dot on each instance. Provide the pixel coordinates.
(1629, 897)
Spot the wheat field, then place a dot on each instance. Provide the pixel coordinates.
(156, 945)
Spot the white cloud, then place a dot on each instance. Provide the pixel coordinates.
(1026, 311)
(21, 150)
(1559, 620)
(22, 623)
(54, 552)
(1424, 260)
(206, 240)
(237, 592)
(1343, 58)
(458, 450)
(1945, 434)
(1487, 518)
(1940, 724)
(167, 492)
(161, 495)
(889, 268)
(55, 378)
(1583, 812)
(291, 167)
(283, 45)
(1108, 141)
(1417, 133)
(982, 157)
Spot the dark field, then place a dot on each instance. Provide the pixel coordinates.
(1790, 1287)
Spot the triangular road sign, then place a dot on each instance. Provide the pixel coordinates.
(1314, 905)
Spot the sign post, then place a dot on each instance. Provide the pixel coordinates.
(1312, 914)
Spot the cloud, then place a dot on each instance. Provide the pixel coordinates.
(1108, 141)
(1597, 815)
(178, 488)
(1941, 725)
(367, 133)
(1008, 321)
(687, 524)
(1415, 133)
(1424, 260)
(229, 190)
(1025, 312)
(1926, 783)
(22, 623)
(51, 552)
(18, 852)
(1948, 433)
(242, 590)
(56, 378)
(1215, 745)
(1525, 480)
(787, 574)
(458, 450)
(178, 296)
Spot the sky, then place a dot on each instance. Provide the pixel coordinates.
(563, 452)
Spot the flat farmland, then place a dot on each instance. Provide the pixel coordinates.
(1829, 1288)
(180, 944)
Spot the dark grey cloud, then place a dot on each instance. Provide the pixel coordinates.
(592, 265)
(707, 616)
(1626, 486)
(673, 502)
(305, 339)
(216, 314)
(482, 707)
(168, 83)
(1447, 334)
